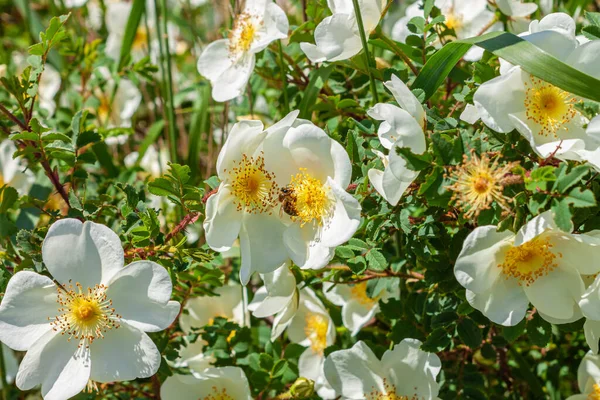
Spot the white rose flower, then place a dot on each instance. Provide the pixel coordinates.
(544, 114)
(541, 264)
(357, 307)
(244, 203)
(213, 383)
(89, 323)
(201, 311)
(588, 303)
(49, 85)
(518, 13)
(313, 327)
(12, 170)
(11, 364)
(228, 63)
(337, 37)
(314, 170)
(278, 297)
(406, 372)
(401, 127)
(588, 378)
(117, 111)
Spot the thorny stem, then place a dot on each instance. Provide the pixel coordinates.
(365, 45)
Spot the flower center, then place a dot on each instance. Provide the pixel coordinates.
(253, 185)
(477, 183)
(389, 393)
(84, 315)
(243, 33)
(595, 395)
(316, 331)
(140, 41)
(217, 393)
(313, 202)
(104, 108)
(454, 21)
(530, 260)
(359, 293)
(549, 106)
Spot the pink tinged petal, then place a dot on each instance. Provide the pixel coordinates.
(27, 305)
(140, 294)
(87, 253)
(504, 302)
(336, 39)
(223, 220)
(477, 265)
(261, 243)
(412, 370)
(354, 372)
(123, 354)
(59, 365)
(557, 293)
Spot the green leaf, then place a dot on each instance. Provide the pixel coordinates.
(8, 197)
(437, 341)
(376, 260)
(539, 178)
(581, 198)
(515, 50)
(539, 331)
(562, 214)
(469, 333)
(153, 133)
(512, 333)
(565, 180)
(162, 187)
(135, 16)
(311, 93)
(105, 159)
(415, 162)
(265, 361)
(279, 368)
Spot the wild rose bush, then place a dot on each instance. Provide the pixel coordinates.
(259, 199)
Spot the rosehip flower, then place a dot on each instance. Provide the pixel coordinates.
(588, 378)
(227, 383)
(89, 323)
(541, 264)
(406, 372)
(228, 63)
(12, 170)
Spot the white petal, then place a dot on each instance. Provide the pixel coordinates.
(336, 39)
(558, 21)
(515, 8)
(310, 364)
(275, 26)
(223, 220)
(412, 370)
(279, 289)
(337, 294)
(586, 58)
(407, 100)
(57, 364)
(355, 371)
(285, 317)
(228, 304)
(588, 372)
(504, 303)
(476, 267)
(303, 248)
(396, 123)
(232, 82)
(345, 220)
(215, 59)
(559, 43)
(591, 328)
(590, 301)
(87, 253)
(534, 228)
(470, 114)
(309, 304)
(576, 250)
(123, 354)
(557, 293)
(140, 294)
(262, 246)
(29, 300)
(356, 315)
(231, 381)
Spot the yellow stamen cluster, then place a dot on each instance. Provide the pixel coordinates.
(477, 183)
(313, 199)
(454, 21)
(549, 106)
(595, 395)
(389, 393)
(84, 314)
(252, 185)
(316, 326)
(243, 33)
(359, 293)
(217, 394)
(140, 41)
(530, 261)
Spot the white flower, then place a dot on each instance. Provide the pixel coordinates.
(145, 41)
(518, 13)
(588, 378)
(74, 3)
(154, 162)
(12, 170)
(406, 372)
(201, 311)
(228, 63)
(401, 127)
(468, 18)
(541, 264)
(244, 203)
(47, 89)
(117, 111)
(313, 327)
(589, 303)
(213, 383)
(357, 307)
(10, 364)
(315, 171)
(92, 326)
(337, 37)
(544, 114)
(278, 297)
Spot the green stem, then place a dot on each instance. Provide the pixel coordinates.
(286, 100)
(363, 38)
(3, 375)
(399, 52)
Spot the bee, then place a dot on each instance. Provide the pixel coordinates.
(287, 197)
